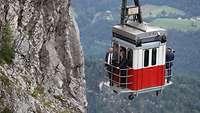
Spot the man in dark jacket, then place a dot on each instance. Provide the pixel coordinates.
(115, 59)
(169, 55)
(123, 68)
(109, 55)
(169, 62)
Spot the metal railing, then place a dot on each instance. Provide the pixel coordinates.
(169, 71)
(118, 77)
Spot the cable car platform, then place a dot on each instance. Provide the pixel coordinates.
(126, 90)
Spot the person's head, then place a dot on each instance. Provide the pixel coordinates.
(170, 50)
(122, 53)
(110, 50)
(115, 47)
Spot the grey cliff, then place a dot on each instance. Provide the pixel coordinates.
(46, 74)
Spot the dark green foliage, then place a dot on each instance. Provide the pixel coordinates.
(6, 110)
(38, 91)
(6, 46)
(182, 97)
(5, 80)
(67, 111)
(187, 5)
(6, 83)
(59, 97)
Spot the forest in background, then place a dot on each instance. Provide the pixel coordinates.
(96, 18)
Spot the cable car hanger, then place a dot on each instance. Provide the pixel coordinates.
(128, 11)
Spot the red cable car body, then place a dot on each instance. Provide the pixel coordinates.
(142, 77)
(145, 49)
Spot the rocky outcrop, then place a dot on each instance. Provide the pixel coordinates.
(46, 72)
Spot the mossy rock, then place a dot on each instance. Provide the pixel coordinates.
(67, 111)
(48, 104)
(7, 52)
(59, 97)
(7, 110)
(70, 110)
(38, 91)
(6, 83)
(5, 80)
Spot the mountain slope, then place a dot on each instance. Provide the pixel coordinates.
(43, 69)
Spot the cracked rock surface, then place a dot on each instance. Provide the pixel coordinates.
(47, 73)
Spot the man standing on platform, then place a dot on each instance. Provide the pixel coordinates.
(108, 63)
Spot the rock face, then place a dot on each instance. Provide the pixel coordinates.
(46, 74)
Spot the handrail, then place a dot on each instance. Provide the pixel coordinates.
(168, 70)
(115, 77)
(117, 67)
(169, 62)
(121, 83)
(118, 74)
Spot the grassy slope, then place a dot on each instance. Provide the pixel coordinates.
(153, 11)
(184, 25)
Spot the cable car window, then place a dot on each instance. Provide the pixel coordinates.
(146, 58)
(130, 58)
(154, 55)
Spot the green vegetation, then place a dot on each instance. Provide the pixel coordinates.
(6, 46)
(39, 90)
(6, 110)
(6, 83)
(182, 97)
(59, 97)
(26, 79)
(48, 104)
(72, 12)
(5, 80)
(67, 111)
(164, 11)
(183, 25)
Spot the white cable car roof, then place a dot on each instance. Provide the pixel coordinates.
(136, 31)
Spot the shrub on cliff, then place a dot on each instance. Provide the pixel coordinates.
(6, 45)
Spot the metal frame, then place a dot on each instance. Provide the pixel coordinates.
(169, 73)
(152, 89)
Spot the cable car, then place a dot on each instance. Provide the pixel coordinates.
(139, 55)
